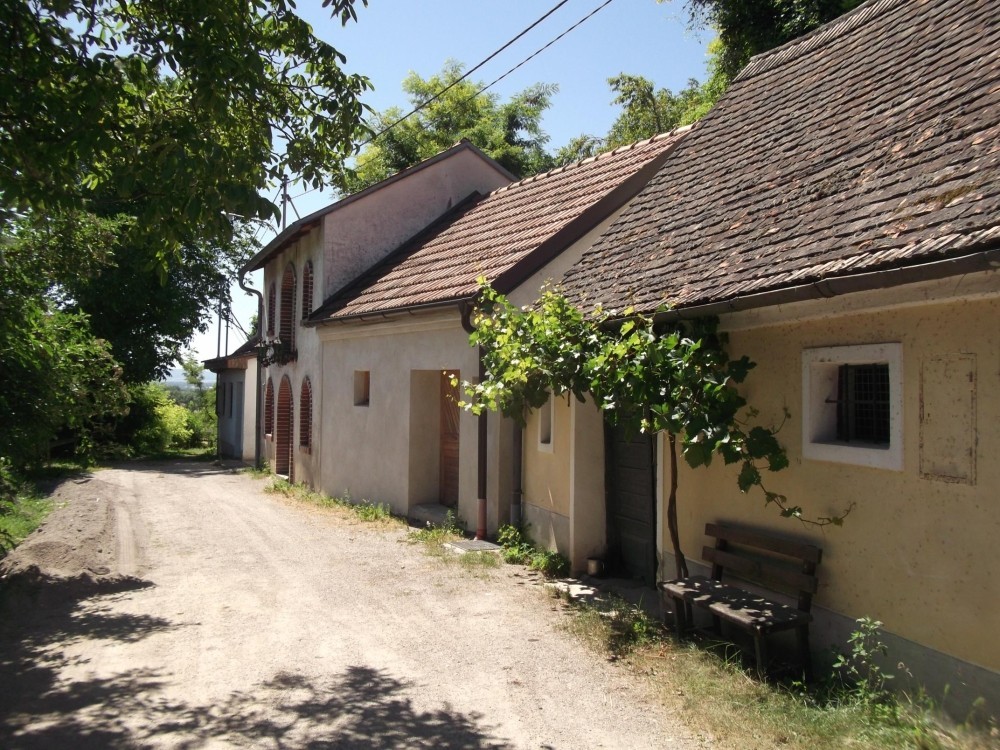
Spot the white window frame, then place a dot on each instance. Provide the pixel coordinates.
(819, 411)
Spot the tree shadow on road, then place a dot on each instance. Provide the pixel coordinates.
(42, 708)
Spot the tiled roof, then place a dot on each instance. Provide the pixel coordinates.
(503, 236)
(871, 144)
(247, 350)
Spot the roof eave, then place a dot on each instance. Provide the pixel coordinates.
(973, 262)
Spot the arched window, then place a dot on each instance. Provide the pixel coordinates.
(307, 289)
(286, 331)
(269, 407)
(271, 307)
(305, 414)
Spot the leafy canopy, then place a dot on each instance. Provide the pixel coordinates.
(145, 308)
(185, 111)
(56, 376)
(509, 132)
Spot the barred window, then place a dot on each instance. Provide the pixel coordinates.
(863, 403)
(307, 289)
(271, 308)
(269, 407)
(305, 415)
(286, 330)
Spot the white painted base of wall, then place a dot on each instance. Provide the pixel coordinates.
(548, 530)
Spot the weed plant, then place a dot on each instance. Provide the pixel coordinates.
(517, 549)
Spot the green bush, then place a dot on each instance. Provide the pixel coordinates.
(161, 424)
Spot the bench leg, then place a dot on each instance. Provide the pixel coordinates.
(680, 620)
(760, 652)
(802, 637)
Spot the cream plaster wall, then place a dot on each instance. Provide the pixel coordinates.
(383, 452)
(362, 232)
(916, 553)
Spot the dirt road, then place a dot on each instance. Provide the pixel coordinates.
(211, 614)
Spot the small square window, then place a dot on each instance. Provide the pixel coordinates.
(362, 387)
(852, 405)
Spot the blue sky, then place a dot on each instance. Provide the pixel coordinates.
(393, 37)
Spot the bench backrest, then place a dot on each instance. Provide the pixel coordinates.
(783, 564)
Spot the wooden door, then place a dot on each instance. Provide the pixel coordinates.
(448, 482)
(631, 502)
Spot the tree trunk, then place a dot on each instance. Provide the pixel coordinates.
(679, 561)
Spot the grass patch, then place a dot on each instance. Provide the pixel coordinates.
(261, 471)
(479, 561)
(22, 506)
(433, 538)
(708, 686)
(365, 510)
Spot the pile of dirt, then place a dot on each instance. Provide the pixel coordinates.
(75, 544)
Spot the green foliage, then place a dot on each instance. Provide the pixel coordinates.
(517, 549)
(509, 132)
(675, 378)
(147, 309)
(162, 424)
(749, 27)
(22, 509)
(58, 382)
(672, 377)
(368, 511)
(549, 563)
(192, 109)
(647, 111)
(858, 669)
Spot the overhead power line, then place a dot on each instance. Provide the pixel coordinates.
(458, 80)
(472, 70)
(542, 48)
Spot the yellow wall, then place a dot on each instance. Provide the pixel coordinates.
(546, 472)
(917, 553)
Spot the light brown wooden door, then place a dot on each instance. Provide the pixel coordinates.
(449, 441)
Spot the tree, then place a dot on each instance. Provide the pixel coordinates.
(183, 111)
(146, 308)
(57, 378)
(648, 111)
(508, 132)
(674, 378)
(749, 27)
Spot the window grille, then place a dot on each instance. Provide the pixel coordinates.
(305, 415)
(307, 289)
(269, 407)
(863, 403)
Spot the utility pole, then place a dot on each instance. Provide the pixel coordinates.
(284, 202)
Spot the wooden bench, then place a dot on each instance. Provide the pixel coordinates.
(776, 563)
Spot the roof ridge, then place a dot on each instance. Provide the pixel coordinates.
(828, 32)
(604, 155)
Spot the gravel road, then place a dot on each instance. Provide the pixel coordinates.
(186, 608)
